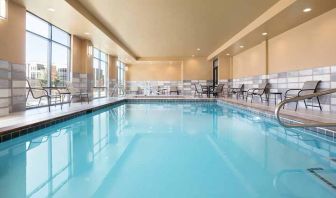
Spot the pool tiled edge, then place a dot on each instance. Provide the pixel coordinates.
(12, 132)
(322, 132)
(17, 131)
(9, 133)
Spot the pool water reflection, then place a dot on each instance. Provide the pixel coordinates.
(167, 150)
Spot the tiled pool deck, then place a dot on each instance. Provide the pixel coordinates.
(18, 124)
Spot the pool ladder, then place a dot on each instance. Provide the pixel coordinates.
(298, 98)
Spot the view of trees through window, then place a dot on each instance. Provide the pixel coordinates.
(47, 54)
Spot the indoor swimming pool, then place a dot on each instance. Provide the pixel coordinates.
(168, 149)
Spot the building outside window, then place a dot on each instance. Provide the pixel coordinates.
(121, 76)
(100, 69)
(47, 54)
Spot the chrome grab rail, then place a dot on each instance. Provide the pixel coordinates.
(298, 98)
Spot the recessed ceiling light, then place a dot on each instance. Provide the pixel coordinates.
(228, 54)
(193, 55)
(198, 49)
(242, 46)
(51, 9)
(264, 33)
(87, 33)
(307, 10)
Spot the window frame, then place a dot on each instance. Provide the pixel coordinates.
(50, 43)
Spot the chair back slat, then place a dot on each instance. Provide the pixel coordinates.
(198, 88)
(34, 83)
(35, 88)
(262, 87)
(173, 88)
(241, 87)
(71, 88)
(309, 87)
(219, 88)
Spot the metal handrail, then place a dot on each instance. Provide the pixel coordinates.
(298, 98)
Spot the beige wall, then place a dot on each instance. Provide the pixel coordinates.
(312, 44)
(113, 70)
(81, 57)
(197, 69)
(251, 62)
(13, 35)
(87, 57)
(189, 69)
(76, 55)
(143, 72)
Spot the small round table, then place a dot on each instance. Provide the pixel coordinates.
(276, 94)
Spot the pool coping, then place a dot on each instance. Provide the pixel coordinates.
(14, 131)
(285, 118)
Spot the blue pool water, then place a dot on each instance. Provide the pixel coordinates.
(168, 150)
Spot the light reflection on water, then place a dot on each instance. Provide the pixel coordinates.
(87, 156)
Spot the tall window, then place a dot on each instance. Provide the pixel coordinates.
(121, 75)
(47, 53)
(100, 73)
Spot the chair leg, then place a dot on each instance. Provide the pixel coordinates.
(296, 106)
(251, 98)
(61, 98)
(49, 101)
(39, 102)
(70, 100)
(304, 101)
(318, 100)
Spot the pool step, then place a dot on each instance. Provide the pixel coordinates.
(326, 176)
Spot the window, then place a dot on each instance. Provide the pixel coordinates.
(47, 54)
(100, 66)
(121, 76)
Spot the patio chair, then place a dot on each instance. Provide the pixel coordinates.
(200, 90)
(217, 90)
(173, 89)
(134, 90)
(238, 91)
(309, 87)
(38, 93)
(74, 92)
(155, 90)
(260, 91)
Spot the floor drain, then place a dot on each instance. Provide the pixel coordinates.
(315, 171)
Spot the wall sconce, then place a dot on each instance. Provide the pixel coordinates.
(3, 9)
(126, 68)
(89, 50)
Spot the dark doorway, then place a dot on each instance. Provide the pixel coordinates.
(215, 72)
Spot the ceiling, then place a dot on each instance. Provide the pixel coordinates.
(175, 28)
(285, 20)
(67, 18)
(169, 30)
